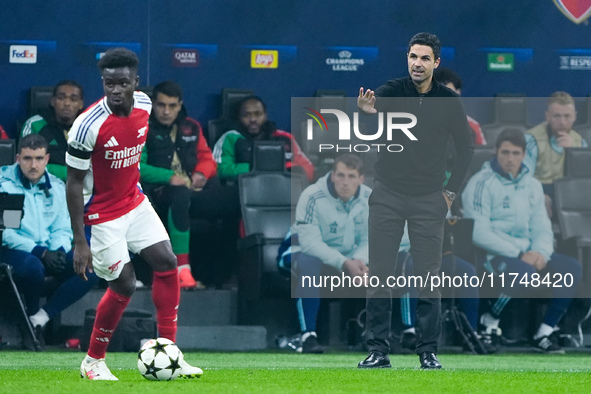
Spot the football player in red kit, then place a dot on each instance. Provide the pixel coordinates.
(110, 214)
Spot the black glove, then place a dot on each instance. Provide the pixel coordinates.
(54, 261)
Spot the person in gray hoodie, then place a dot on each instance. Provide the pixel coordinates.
(512, 227)
(330, 229)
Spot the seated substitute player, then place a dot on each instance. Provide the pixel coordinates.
(178, 173)
(331, 227)
(175, 163)
(513, 228)
(54, 123)
(233, 150)
(546, 143)
(42, 246)
(107, 205)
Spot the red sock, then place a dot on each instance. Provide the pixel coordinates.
(183, 259)
(108, 314)
(166, 293)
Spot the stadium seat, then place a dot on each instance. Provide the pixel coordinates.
(574, 215)
(334, 99)
(585, 132)
(510, 109)
(268, 156)
(229, 99)
(482, 154)
(583, 123)
(510, 112)
(7, 152)
(216, 128)
(39, 99)
(492, 131)
(577, 163)
(268, 201)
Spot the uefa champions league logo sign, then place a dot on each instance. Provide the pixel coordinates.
(390, 121)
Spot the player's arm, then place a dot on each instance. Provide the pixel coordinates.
(81, 142)
(75, 197)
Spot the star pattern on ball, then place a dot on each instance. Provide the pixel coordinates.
(141, 352)
(152, 369)
(174, 365)
(159, 348)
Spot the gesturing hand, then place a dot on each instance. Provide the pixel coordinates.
(366, 101)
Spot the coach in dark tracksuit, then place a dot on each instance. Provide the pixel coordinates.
(409, 188)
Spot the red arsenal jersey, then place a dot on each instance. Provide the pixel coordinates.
(109, 147)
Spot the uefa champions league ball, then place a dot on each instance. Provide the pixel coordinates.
(159, 359)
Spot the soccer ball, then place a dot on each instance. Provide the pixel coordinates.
(159, 359)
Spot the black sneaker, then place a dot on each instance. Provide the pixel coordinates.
(546, 345)
(311, 345)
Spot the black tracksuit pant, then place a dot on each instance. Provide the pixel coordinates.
(425, 214)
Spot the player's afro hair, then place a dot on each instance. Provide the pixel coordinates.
(119, 57)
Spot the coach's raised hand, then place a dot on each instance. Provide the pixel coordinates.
(366, 101)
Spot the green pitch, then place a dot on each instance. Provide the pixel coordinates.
(57, 372)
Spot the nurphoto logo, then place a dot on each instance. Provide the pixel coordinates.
(392, 121)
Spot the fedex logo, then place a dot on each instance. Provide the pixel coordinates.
(264, 59)
(388, 122)
(23, 54)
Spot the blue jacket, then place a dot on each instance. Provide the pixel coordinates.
(509, 214)
(46, 222)
(330, 229)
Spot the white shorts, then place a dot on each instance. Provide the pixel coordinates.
(111, 242)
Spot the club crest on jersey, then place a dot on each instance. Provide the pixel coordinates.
(141, 132)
